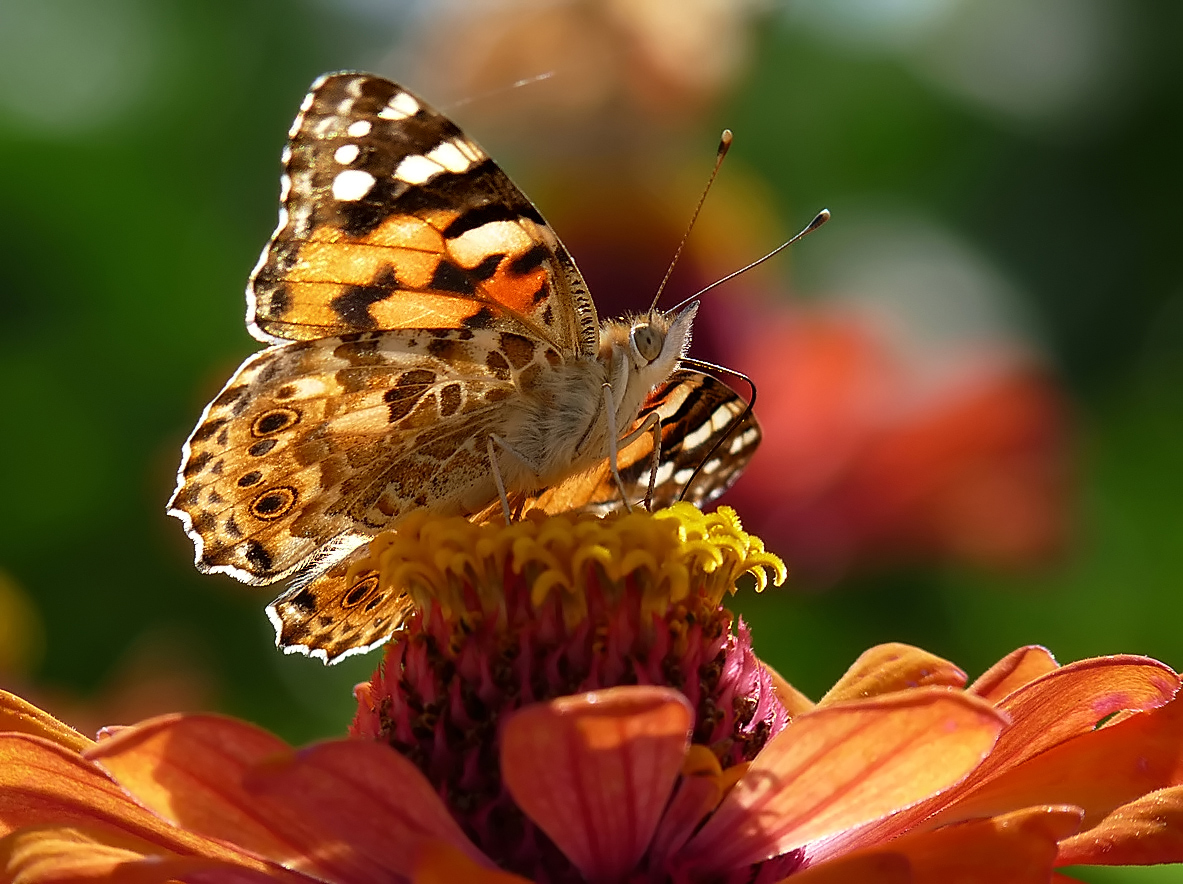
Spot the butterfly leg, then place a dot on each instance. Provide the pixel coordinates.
(651, 424)
(497, 476)
(509, 449)
(614, 445)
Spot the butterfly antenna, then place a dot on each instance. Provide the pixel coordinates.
(491, 93)
(736, 422)
(724, 146)
(819, 219)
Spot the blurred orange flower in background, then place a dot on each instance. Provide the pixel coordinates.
(875, 456)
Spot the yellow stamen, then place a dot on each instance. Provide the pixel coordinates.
(666, 556)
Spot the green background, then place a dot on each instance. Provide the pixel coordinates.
(139, 144)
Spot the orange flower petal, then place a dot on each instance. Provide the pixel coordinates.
(878, 867)
(45, 855)
(1146, 831)
(230, 780)
(368, 796)
(1013, 671)
(440, 863)
(1097, 771)
(43, 783)
(1070, 701)
(844, 765)
(19, 716)
(892, 667)
(189, 769)
(1018, 848)
(594, 771)
(65, 855)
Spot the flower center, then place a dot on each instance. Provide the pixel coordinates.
(505, 616)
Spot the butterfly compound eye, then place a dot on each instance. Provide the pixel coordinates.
(647, 342)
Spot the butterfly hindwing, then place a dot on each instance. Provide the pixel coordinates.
(317, 442)
(392, 218)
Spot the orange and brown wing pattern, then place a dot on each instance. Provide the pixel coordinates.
(391, 218)
(314, 446)
(708, 435)
(332, 617)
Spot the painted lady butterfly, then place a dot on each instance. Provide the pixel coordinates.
(431, 345)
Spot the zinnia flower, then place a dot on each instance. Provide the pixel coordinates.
(568, 702)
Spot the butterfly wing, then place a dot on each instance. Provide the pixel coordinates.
(314, 447)
(331, 617)
(696, 411)
(392, 218)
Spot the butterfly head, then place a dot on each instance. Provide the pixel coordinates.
(656, 340)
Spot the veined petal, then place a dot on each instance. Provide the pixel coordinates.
(104, 855)
(1016, 848)
(893, 667)
(191, 770)
(22, 717)
(43, 783)
(1146, 831)
(440, 863)
(594, 771)
(368, 796)
(1098, 771)
(1016, 669)
(844, 765)
(875, 867)
(1071, 700)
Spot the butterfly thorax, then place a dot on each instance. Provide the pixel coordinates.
(562, 425)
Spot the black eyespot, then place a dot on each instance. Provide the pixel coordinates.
(359, 591)
(274, 503)
(274, 421)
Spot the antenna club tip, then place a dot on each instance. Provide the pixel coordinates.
(725, 141)
(821, 218)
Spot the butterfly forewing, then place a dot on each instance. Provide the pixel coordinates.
(392, 218)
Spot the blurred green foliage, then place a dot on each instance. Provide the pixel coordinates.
(140, 155)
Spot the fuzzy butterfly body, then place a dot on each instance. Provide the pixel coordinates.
(432, 346)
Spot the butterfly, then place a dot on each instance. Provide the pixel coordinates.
(431, 344)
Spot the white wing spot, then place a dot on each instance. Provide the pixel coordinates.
(712, 465)
(346, 154)
(399, 107)
(474, 246)
(721, 416)
(352, 185)
(470, 149)
(692, 440)
(417, 169)
(664, 472)
(742, 441)
(358, 129)
(683, 476)
(450, 156)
